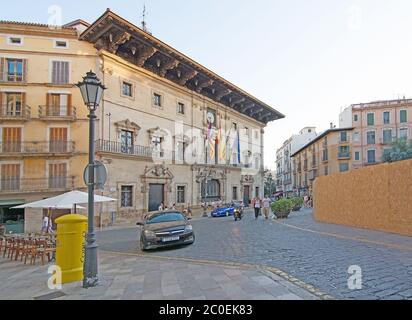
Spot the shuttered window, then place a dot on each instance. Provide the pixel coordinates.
(13, 70)
(58, 140)
(11, 140)
(10, 177)
(60, 72)
(57, 175)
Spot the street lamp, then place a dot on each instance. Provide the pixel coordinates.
(92, 91)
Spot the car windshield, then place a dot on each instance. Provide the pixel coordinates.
(166, 217)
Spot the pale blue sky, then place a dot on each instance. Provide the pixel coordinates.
(306, 58)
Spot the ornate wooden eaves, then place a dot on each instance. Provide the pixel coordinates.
(118, 36)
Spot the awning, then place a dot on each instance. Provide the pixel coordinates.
(8, 203)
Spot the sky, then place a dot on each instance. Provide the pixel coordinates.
(308, 59)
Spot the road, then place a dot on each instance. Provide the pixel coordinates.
(315, 253)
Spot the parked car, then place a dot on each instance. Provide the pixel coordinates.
(165, 229)
(225, 211)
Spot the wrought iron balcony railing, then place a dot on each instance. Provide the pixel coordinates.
(120, 148)
(17, 185)
(14, 112)
(46, 112)
(344, 155)
(36, 147)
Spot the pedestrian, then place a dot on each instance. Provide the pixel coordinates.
(305, 201)
(45, 224)
(266, 207)
(161, 207)
(257, 205)
(174, 206)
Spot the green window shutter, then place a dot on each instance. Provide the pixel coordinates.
(404, 116)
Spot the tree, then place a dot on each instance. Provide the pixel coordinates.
(401, 150)
(270, 184)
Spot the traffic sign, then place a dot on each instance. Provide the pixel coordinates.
(100, 175)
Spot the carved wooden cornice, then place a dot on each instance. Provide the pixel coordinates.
(118, 36)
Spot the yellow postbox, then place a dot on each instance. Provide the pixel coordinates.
(71, 231)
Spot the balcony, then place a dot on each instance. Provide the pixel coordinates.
(29, 185)
(36, 148)
(13, 112)
(112, 147)
(344, 155)
(64, 113)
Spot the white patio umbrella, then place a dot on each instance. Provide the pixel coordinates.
(65, 201)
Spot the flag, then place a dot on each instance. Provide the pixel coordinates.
(238, 148)
(222, 142)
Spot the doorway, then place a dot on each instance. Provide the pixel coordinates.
(246, 195)
(156, 196)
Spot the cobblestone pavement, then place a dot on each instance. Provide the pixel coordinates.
(133, 277)
(315, 253)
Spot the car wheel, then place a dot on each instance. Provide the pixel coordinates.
(142, 246)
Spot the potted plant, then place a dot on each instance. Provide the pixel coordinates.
(297, 204)
(282, 208)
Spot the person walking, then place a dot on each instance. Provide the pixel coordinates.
(266, 207)
(161, 207)
(257, 205)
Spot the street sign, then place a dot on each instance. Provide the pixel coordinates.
(100, 175)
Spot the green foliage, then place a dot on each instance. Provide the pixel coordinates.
(297, 201)
(283, 205)
(401, 150)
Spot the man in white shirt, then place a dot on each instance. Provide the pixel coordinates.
(266, 207)
(45, 224)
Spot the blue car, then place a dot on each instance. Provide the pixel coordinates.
(227, 211)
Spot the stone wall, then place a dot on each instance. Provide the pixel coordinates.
(376, 197)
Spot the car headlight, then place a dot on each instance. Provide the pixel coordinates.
(188, 229)
(149, 234)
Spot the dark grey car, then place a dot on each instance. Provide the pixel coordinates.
(165, 229)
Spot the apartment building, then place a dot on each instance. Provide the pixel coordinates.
(328, 153)
(43, 122)
(376, 125)
(284, 163)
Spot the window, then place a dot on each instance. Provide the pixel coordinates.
(386, 117)
(357, 156)
(157, 146)
(60, 72)
(157, 100)
(58, 105)
(234, 126)
(371, 119)
(356, 137)
(370, 137)
(15, 41)
(11, 139)
(404, 116)
(181, 108)
(14, 102)
(344, 136)
(14, 70)
(356, 118)
(325, 156)
(403, 134)
(326, 171)
(246, 131)
(181, 194)
(344, 152)
(10, 177)
(344, 167)
(126, 139)
(58, 140)
(127, 89)
(126, 197)
(256, 134)
(371, 156)
(387, 136)
(257, 192)
(60, 44)
(180, 150)
(234, 193)
(57, 175)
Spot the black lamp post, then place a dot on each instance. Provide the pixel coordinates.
(92, 91)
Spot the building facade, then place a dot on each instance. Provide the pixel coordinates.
(284, 163)
(43, 123)
(168, 129)
(328, 153)
(377, 125)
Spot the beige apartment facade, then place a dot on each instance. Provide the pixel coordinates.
(376, 126)
(43, 123)
(170, 130)
(327, 154)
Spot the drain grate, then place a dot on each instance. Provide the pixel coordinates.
(51, 296)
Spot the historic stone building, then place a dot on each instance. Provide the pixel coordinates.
(171, 130)
(168, 129)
